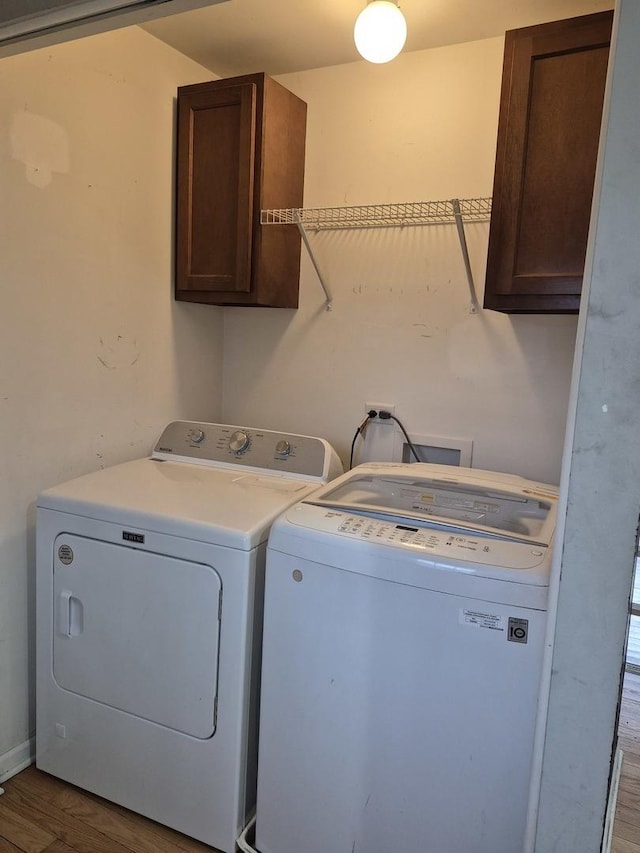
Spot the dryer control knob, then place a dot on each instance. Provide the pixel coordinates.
(196, 436)
(239, 442)
(283, 449)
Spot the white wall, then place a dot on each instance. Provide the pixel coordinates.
(423, 127)
(95, 356)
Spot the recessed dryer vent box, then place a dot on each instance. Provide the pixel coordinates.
(442, 450)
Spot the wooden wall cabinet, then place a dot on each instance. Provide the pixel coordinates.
(240, 149)
(550, 114)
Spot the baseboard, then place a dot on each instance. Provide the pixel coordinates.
(611, 804)
(17, 759)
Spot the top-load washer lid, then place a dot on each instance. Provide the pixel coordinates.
(494, 505)
(208, 482)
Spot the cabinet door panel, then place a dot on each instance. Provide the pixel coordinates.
(215, 212)
(560, 164)
(550, 114)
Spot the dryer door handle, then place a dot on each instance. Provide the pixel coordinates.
(70, 614)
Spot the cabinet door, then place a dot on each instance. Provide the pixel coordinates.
(216, 149)
(548, 133)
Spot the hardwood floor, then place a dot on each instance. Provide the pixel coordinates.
(626, 829)
(41, 814)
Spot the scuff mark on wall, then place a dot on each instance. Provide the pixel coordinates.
(120, 353)
(421, 326)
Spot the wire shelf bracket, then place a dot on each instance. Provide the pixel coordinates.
(457, 212)
(401, 215)
(305, 239)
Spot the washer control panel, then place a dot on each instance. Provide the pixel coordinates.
(240, 446)
(445, 543)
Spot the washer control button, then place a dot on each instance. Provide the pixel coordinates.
(196, 436)
(239, 442)
(283, 449)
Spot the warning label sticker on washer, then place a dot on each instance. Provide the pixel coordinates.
(480, 619)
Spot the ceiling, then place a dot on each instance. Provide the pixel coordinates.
(281, 36)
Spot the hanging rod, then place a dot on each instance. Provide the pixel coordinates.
(404, 214)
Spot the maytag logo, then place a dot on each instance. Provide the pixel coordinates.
(133, 537)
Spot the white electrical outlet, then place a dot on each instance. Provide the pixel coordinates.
(378, 407)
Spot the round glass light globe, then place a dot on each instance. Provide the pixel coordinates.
(380, 31)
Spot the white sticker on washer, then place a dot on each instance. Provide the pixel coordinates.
(479, 619)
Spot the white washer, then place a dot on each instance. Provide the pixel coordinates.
(149, 605)
(405, 612)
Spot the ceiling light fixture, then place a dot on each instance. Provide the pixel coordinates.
(380, 31)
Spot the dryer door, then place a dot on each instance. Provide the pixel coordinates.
(137, 631)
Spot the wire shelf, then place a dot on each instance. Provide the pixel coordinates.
(451, 211)
(381, 215)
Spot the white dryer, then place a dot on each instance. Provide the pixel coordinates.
(149, 610)
(405, 613)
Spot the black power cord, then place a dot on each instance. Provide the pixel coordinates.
(384, 416)
(360, 431)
